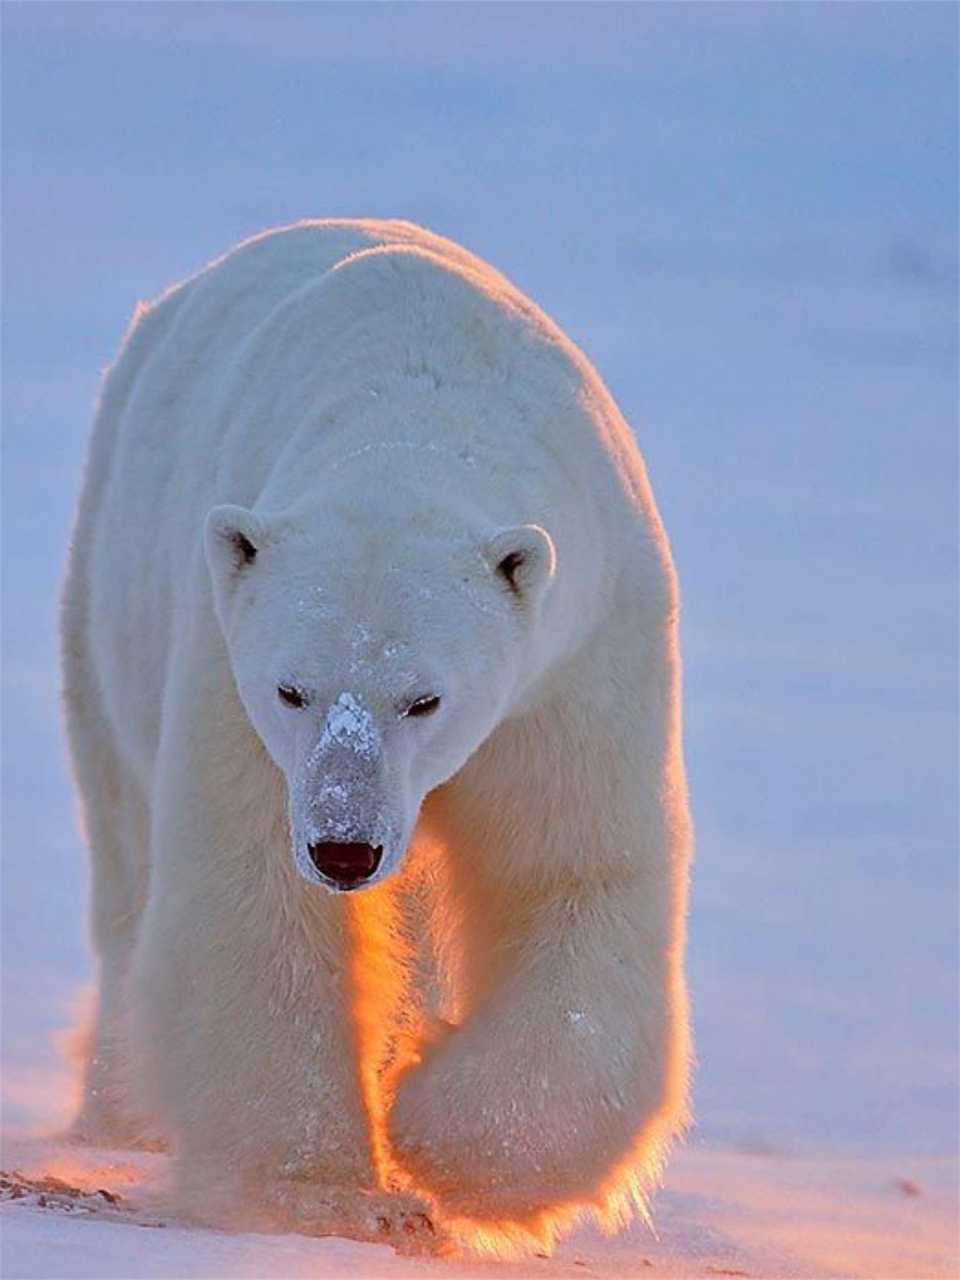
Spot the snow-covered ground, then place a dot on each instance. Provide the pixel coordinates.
(746, 215)
(725, 1214)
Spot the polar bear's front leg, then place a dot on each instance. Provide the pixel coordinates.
(240, 1003)
(569, 1071)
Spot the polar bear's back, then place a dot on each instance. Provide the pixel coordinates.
(179, 351)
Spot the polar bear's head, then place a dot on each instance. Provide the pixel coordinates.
(373, 664)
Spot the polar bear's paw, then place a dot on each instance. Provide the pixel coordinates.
(405, 1221)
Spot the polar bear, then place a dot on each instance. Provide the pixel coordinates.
(373, 695)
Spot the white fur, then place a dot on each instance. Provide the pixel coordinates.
(383, 419)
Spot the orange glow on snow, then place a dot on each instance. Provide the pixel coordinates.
(87, 1172)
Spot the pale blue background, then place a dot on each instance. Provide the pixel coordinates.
(746, 214)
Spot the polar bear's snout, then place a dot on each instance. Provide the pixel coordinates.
(347, 865)
(349, 823)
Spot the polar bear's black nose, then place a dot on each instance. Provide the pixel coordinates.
(347, 865)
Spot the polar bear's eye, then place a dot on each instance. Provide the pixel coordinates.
(291, 696)
(424, 706)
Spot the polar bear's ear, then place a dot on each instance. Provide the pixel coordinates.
(524, 559)
(232, 536)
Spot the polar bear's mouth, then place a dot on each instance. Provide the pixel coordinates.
(345, 865)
